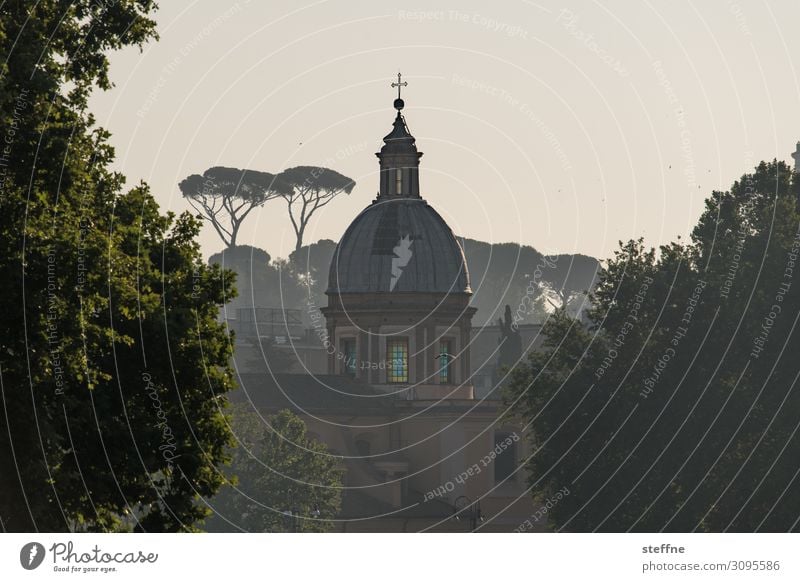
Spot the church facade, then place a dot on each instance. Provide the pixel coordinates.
(398, 404)
(399, 289)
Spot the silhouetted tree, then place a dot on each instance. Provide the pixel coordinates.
(311, 265)
(521, 276)
(568, 281)
(312, 187)
(260, 280)
(225, 196)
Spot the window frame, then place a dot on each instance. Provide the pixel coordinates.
(445, 372)
(345, 341)
(392, 377)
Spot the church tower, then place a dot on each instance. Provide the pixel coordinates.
(399, 158)
(398, 314)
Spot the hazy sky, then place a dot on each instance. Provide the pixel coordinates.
(567, 126)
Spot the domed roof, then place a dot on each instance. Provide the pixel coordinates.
(398, 245)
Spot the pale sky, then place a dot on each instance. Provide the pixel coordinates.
(567, 126)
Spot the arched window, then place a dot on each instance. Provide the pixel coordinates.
(398, 181)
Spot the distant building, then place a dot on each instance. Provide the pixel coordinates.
(796, 157)
(398, 397)
(260, 331)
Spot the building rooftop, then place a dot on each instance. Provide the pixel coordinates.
(399, 245)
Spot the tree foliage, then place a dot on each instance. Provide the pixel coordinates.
(282, 480)
(675, 408)
(310, 265)
(532, 283)
(226, 196)
(113, 366)
(312, 188)
(260, 280)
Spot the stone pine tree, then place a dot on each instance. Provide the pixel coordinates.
(225, 197)
(311, 188)
(281, 479)
(113, 366)
(675, 408)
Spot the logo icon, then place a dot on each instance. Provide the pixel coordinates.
(402, 254)
(31, 555)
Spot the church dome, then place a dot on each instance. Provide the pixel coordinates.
(398, 310)
(398, 245)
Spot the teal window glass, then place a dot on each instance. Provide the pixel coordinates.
(445, 358)
(397, 355)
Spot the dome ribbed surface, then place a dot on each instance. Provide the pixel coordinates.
(371, 255)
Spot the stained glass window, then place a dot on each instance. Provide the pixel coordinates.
(445, 358)
(397, 355)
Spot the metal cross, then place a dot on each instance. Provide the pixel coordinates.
(400, 83)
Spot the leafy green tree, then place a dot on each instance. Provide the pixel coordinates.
(113, 366)
(282, 480)
(675, 407)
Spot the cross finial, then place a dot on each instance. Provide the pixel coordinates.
(400, 83)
